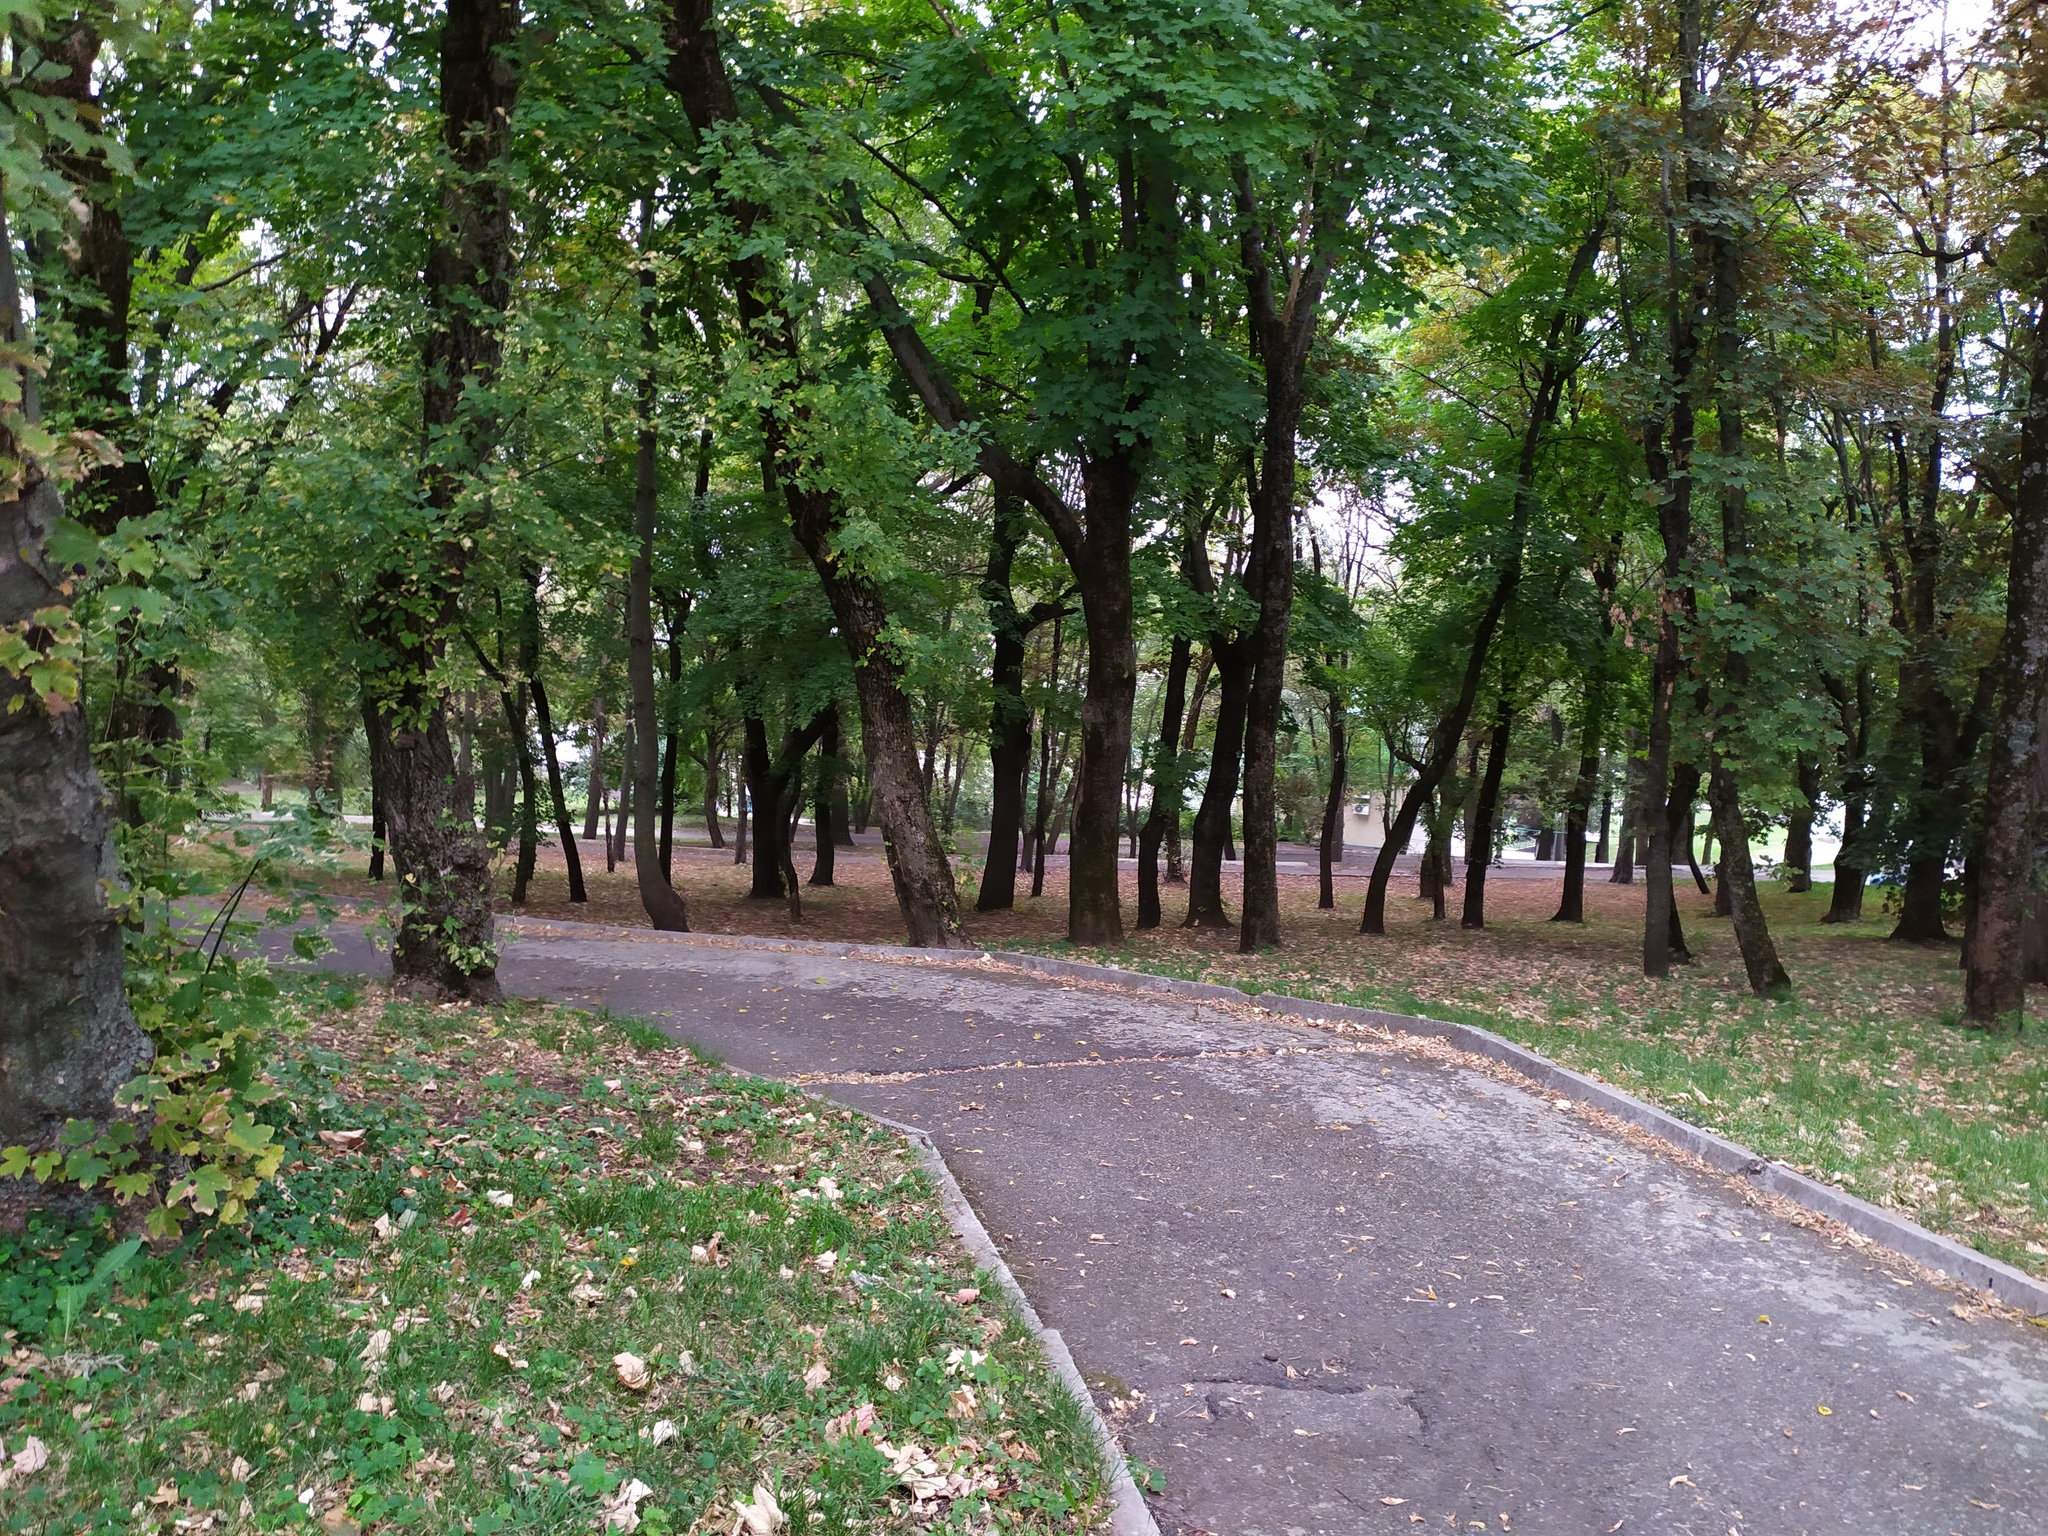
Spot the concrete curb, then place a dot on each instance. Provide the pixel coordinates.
(1944, 1255)
(1130, 1516)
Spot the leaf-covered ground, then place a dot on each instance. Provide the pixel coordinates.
(533, 1270)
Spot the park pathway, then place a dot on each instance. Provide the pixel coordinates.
(1327, 1286)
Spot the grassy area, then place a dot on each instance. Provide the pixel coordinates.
(1863, 1078)
(533, 1270)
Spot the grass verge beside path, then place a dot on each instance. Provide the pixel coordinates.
(534, 1270)
(1864, 1078)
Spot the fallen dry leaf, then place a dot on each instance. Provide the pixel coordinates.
(817, 1375)
(760, 1515)
(621, 1511)
(342, 1141)
(633, 1373)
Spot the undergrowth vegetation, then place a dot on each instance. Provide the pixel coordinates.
(537, 1270)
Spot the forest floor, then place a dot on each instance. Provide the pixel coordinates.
(1863, 1077)
(678, 1289)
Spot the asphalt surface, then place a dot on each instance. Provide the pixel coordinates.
(1330, 1287)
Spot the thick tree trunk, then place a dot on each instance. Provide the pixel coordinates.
(1480, 835)
(445, 944)
(1920, 915)
(1166, 783)
(68, 1040)
(1333, 803)
(1767, 976)
(740, 822)
(1601, 853)
(1234, 664)
(1845, 900)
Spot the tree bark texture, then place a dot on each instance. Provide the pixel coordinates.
(2008, 882)
(67, 1038)
(445, 942)
(1767, 976)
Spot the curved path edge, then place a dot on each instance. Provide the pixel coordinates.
(1130, 1515)
(1944, 1255)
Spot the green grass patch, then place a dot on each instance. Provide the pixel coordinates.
(557, 1271)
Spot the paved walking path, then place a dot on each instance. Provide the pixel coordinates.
(1355, 1288)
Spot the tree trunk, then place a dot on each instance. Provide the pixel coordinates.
(1799, 828)
(740, 819)
(714, 777)
(1009, 734)
(1042, 813)
(1166, 783)
(558, 801)
(1845, 900)
(664, 908)
(918, 866)
(627, 789)
(68, 1040)
(1600, 854)
(376, 792)
(830, 779)
(445, 945)
(1556, 372)
(1480, 833)
(1234, 664)
(1283, 329)
(1333, 803)
(513, 702)
(593, 800)
(1767, 976)
(775, 786)
(1920, 916)
(1571, 907)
